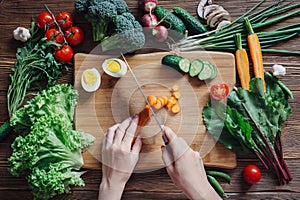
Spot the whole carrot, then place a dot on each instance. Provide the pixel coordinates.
(242, 63)
(255, 51)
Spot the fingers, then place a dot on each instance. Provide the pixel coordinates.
(177, 144)
(166, 157)
(130, 132)
(137, 145)
(121, 130)
(109, 136)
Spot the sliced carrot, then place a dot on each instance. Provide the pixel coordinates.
(152, 100)
(173, 100)
(162, 101)
(169, 104)
(158, 105)
(176, 109)
(165, 100)
(177, 94)
(242, 63)
(255, 51)
(175, 88)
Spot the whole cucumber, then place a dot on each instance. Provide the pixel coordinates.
(193, 25)
(169, 19)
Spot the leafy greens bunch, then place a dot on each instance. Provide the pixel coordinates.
(252, 122)
(35, 62)
(48, 149)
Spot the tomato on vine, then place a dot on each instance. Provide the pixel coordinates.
(64, 20)
(55, 35)
(74, 35)
(45, 20)
(64, 53)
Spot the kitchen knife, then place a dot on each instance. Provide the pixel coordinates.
(165, 139)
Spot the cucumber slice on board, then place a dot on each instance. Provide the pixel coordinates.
(196, 67)
(206, 72)
(177, 62)
(209, 71)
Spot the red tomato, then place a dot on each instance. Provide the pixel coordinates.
(74, 35)
(63, 54)
(219, 92)
(64, 19)
(55, 35)
(252, 174)
(45, 20)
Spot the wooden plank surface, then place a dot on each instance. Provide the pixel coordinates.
(15, 13)
(119, 98)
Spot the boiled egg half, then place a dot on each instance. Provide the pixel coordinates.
(114, 67)
(90, 80)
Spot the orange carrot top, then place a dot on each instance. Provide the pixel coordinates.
(255, 51)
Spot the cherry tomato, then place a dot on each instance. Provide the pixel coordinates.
(252, 174)
(55, 35)
(219, 92)
(64, 19)
(64, 53)
(74, 35)
(45, 20)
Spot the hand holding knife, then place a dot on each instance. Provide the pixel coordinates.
(165, 139)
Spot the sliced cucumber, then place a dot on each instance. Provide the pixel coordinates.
(209, 71)
(206, 71)
(196, 67)
(177, 62)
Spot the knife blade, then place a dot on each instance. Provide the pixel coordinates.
(165, 139)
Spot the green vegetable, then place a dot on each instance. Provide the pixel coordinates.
(196, 67)
(219, 174)
(193, 25)
(5, 129)
(223, 40)
(208, 71)
(177, 62)
(252, 121)
(35, 62)
(100, 14)
(169, 19)
(48, 151)
(128, 36)
(213, 181)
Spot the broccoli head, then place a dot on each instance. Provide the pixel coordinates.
(100, 14)
(128, 35)
(121, 6)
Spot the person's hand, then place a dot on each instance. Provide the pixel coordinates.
(120, 153)
(186, 169)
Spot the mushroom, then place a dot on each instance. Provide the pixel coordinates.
(217, 18)
(201, 5)
(21, 34)
(208, 10)
(222, 24)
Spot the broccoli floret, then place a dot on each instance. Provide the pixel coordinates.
(129, 35)
(100, 13)
(121, 6)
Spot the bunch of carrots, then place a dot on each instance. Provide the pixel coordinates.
(242, 61)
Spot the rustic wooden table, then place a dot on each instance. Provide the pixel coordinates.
(156, 184)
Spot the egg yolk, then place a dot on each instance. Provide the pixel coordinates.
(113, 66)
(89, 78)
